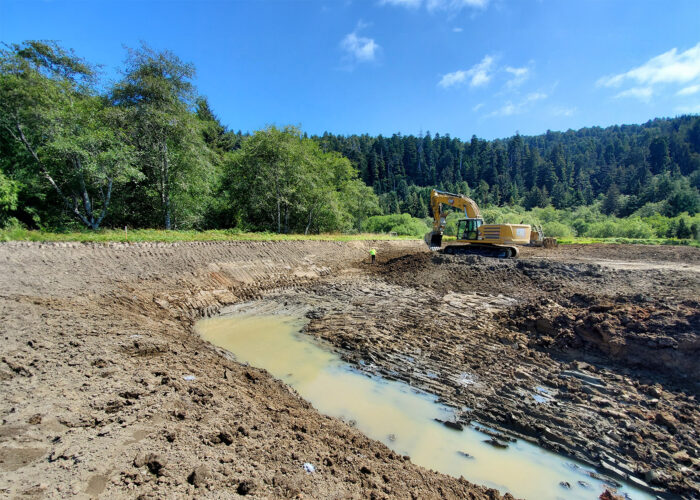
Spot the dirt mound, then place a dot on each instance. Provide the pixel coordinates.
(638, 331)
(601, 252)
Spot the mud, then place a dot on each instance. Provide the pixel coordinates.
(406, 420)
(107, 390)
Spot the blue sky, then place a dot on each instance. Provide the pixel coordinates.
(459, 67)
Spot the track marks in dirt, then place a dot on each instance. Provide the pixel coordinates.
(97, 345)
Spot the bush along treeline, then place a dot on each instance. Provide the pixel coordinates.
(147, 151)
(591, 222)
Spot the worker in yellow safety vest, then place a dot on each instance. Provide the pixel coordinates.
(373, 254)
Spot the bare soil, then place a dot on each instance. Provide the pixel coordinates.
(107, 391)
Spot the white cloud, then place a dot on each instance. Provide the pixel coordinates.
(509, 108)
(535, 96)
(564, 111)
(433, 5)
(670, 68)
(691, 109)
(481, 73)
(358, 48)
(641, 93)
(402, 3)
(456, 4)
(457, 30)
(478, 106)
(478, 75)
(454, 78)
(519, 76)
(690, 90)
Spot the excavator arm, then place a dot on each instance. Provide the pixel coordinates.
(458, 201)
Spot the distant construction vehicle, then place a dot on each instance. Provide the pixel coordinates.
(476, 238)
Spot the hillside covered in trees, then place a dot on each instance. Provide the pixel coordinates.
(632, 166)
(148, 151)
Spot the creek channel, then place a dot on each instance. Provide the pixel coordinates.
(393, 412)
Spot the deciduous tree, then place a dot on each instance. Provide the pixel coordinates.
(49, 105)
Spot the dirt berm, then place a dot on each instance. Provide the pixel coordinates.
(106, 390)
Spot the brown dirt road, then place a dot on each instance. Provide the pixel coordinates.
(97, 340)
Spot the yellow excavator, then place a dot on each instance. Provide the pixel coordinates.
(476, 238)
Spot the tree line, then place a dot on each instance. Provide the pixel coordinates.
(148, 151)
(655, 166)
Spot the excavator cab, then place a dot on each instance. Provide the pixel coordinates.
(468, 229)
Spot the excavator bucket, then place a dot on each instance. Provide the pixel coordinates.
(538, 239)
(433, 240)
(550, 242)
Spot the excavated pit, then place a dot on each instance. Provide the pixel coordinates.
(587, 351)
(267, 334)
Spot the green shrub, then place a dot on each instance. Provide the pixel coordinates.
(558, 230)
(633, 227)
(580, 226)
(653, 209)
(401, 224)
(547, 214)
(9, 190)
(453, 219)
(508, 215)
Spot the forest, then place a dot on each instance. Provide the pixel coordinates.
(147, 151)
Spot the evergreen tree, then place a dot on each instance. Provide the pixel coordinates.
(658, 155)
(683, 231)
(611, 203)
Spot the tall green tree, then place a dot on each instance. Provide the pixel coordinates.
(49, 105)
(158, 100)
(265, 174)
(658, 155)
(611, 203)
(278, 180)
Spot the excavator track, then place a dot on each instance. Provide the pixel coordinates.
(497, 251)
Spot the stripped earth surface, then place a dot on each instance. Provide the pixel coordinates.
(590, 351)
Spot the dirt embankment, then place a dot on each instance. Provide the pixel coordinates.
(106, 390)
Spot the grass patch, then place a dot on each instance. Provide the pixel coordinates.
(630, 241)
(159, 235)
(619, 241)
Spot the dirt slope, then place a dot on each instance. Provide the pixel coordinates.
(95, 397)
(593, 361)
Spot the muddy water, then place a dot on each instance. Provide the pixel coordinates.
(394, 413)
